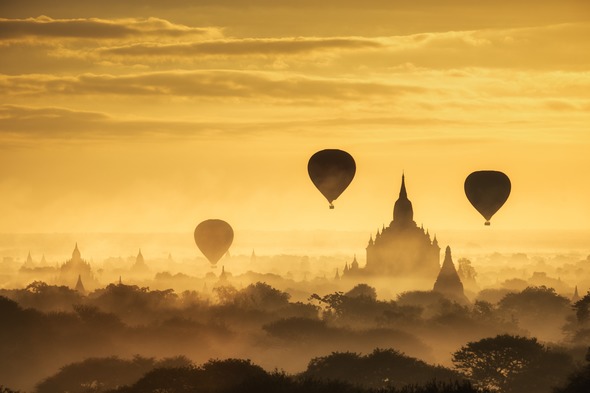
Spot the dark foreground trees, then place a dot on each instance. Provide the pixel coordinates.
(379, 369)
(241, 376)
(509, 364)
(4, 389)
(579, 381)
(101, 374)
(178, 375)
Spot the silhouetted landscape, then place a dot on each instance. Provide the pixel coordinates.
(362, 329)
(294, 196)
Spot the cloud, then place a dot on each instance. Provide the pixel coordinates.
(94, 28)
(24, 113)
(211, 84)
(243, 47)
(160, 44)
(560, 46)
(19, 122)
(48, 122)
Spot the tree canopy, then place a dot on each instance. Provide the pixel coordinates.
(508, 363)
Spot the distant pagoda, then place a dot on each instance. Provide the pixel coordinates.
(139, 266)
(576, 296)
(75, 268)
(79, 286)
(448, 282)
(29, 264)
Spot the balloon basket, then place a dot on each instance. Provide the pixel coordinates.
(331, 206)
(487, 223)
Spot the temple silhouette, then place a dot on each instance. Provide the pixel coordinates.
(401, 249)
(140, 266)
(77, 271)
(448, 282)
(404, 250)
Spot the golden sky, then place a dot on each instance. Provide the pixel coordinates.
(143, 116)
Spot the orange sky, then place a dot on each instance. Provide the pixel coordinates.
(145, 116)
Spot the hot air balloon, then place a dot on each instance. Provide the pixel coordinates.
(487, 191)
(331, 171)
(213, 237)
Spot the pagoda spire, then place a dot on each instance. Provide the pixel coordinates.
(76, 253)
(448, 282)
(354, 265)
(139, 258)
(576, 296)
(402, 191)
(403, 213)
(29, 262)
(79, 286)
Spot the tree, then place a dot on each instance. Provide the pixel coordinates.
(4, 389)
(100, 374)
(359, 309)
(258, 296)
(362, 290)
(95, 317)
(241, 376)
(467, 273)
(225, 293)
(214, 376)
(297, 328)
(579, 381)
(262, 296)
(538, 309)
(379, 369)
(508, 363)
(535, 300)
(431, 303)
(577, 328)
(332, 302)
(37, 287)
(582, 309)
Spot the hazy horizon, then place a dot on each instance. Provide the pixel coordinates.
(311, 242)
(125, 125)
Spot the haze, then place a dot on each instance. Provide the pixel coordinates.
(123, 125)
(150, 118)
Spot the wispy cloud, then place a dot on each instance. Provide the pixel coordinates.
(214, 83)
(19, 122)
(155, 43)
(235, 47)
(94, 28)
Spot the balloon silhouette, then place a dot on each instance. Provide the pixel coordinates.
(331, 171)
(213, 237)
(487, 191)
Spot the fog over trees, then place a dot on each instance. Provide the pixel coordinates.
(507, 323)
(54, 338)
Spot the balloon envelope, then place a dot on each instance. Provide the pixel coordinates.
(213, 237)
(487, 191)
(331, 171)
